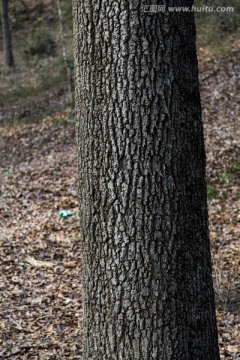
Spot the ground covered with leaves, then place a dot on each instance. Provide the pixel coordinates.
(220, 79)
(40, 257)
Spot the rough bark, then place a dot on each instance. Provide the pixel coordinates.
(7, 41)
(148, 290)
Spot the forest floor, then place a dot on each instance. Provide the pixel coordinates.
(40, 266)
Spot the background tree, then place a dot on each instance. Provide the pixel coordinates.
(65, 54)
(7, 41)
(142, 190)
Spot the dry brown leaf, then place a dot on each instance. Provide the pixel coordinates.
(38, 263)
(70, 264)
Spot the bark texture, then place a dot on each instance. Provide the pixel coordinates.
(148, 290)
(7, 41)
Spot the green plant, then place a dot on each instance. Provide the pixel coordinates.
(230, 173)
(61, 122)
(235, 167)
(237, 196)
(42, 44)
(212, 192)
(225, 176)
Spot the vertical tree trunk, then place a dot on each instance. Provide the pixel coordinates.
(148, 290)
(65, 55)
(7, 34)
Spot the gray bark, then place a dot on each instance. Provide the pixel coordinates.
(65, 54)
(7, 41)
(147, 282)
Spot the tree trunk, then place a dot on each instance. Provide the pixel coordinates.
(147, 282)
(7, 34)
(65, 55)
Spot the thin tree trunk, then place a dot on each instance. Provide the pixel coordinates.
(147, 282)
(7, 41)
(65, 55)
